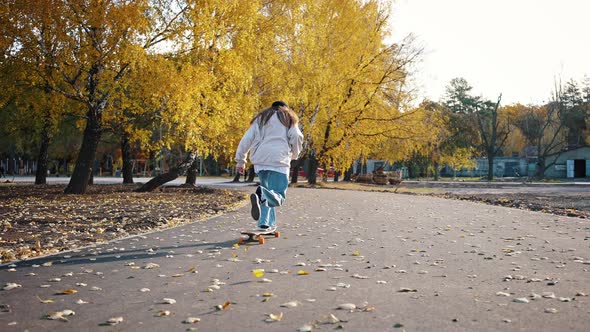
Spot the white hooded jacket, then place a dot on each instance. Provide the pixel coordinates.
(272, 145)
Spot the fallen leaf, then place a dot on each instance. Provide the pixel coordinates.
(407, 290)
(45, 301)
(258, 273)
(11, 285)
(168, 301)
(191, 320)
(151, 266)
(67, 292)
(60, 315)
(163, 313)
(114, 320)
(305, 328)
(291, 304)
(223, 306)
(302, 273)
(274, 318)
(330, 319)
(347, 306)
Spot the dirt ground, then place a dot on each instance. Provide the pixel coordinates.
(39, 220)
(561, 199)
(568, 204)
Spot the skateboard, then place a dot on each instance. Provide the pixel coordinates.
(257, 236)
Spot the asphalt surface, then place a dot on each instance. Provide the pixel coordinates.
(405, 262)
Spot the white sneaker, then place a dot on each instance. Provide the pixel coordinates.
(267, 229)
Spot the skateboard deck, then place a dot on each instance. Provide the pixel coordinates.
(257, 236)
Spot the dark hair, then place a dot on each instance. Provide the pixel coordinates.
(287, 117)
(278, 104)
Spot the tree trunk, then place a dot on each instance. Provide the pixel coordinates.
(490, 166)
(251, 174)
(336, 176)
(295, 166)
(540, 169)
(237, 177)
(92, 133)
(126, 155)
(436, 171)
(348, 174)
(191, 173)
(313, 167)
(171, 175)
(42, 158)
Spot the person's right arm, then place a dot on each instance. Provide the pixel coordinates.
(244, 147)
(295, 141)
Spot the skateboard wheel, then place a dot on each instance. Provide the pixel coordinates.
(277, 234)
(261, 240)
(241, 241)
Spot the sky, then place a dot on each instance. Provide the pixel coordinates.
(515, 47)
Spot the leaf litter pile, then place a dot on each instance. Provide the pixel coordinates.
(40, 220)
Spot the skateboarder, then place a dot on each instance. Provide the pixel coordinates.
(272, 141)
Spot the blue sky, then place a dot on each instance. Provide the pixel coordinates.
(514, 47)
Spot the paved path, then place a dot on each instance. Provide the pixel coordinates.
(406, 262)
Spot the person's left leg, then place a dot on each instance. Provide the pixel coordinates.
(273, 190)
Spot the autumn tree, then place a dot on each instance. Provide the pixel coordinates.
(212, 98)
(31, 45)
(487, 126)
(544, 130)
(92, 46)
(340, 77)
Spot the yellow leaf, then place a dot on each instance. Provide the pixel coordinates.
(356, 253)
(258, 273)
(275, 318)
(302, 273)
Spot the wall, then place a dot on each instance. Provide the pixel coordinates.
(559, 170)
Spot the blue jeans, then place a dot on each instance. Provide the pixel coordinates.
(274, 190)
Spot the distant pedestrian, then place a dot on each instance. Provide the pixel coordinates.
(272, 141)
